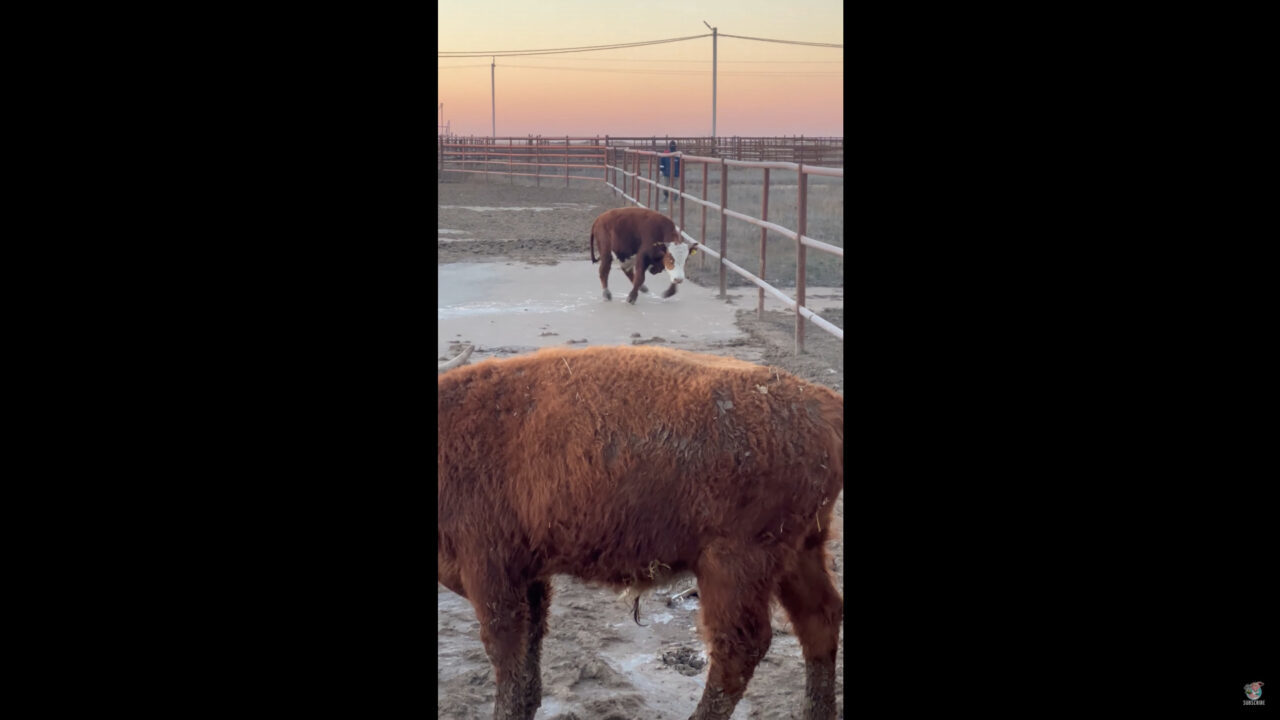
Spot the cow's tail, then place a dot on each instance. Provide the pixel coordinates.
(593, 246)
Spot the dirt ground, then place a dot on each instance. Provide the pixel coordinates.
(560, 228)
(597, 663)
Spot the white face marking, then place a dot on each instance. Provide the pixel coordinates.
(678, 252)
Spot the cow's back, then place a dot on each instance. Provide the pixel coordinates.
(581, 449)
(630, 228)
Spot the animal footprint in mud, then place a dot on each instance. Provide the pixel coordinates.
(684, 660)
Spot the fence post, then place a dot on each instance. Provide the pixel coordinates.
(671, 178)
(724, 200)
(702, 260)
(440, 176)
(537, 161)
(764, 234)
(802, 208)
(606, 158)
(648, 175)
(682, 199)
(566, 161)
(511, 179)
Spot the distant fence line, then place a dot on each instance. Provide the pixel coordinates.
(617, 162)
(823, 151)
(521, 157)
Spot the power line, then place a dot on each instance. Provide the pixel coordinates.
(785, 42)
(692, 61)
(572, 47)
(700, 73)
(617, 46)
(557, 51)
(608, 70)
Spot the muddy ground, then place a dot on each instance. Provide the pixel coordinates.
(597, 663)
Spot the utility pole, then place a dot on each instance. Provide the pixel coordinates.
(715, 35)
(493, 102)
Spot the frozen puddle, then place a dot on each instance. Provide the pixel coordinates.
(530, 306)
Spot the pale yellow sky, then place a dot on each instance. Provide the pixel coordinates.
(763, 88)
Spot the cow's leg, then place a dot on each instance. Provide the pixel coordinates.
(632, 279)
(734, 584)
(448, 575)
(539, 595)
(809, 595)
(606, 262)
(503, 612)
(637, 281)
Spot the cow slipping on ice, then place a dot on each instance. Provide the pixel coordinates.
(643, 240)
(702, 464)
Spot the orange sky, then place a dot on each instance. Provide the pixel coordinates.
(763, 88)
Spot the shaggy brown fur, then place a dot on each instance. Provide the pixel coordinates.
(623, 465)
(633, 232)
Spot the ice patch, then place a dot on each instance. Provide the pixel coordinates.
(446, 231)
(502, 308)
(483, 208)
(633, 662)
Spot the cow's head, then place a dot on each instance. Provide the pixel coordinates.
(673, 260)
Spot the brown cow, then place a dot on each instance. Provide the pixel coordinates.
(643, 240)
(701, 464)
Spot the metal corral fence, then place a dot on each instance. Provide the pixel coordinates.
(824, 151)
(606, 159)
(617, 162)
(572, 158)
(541, 158)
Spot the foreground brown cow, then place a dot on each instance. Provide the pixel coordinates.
(643, 240)
(625, 466)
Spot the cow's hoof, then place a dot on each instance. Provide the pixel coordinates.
(608, 295)
(631, 298)
(670, 291)
(644, 288)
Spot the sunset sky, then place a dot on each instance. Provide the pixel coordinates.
(763, 88)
